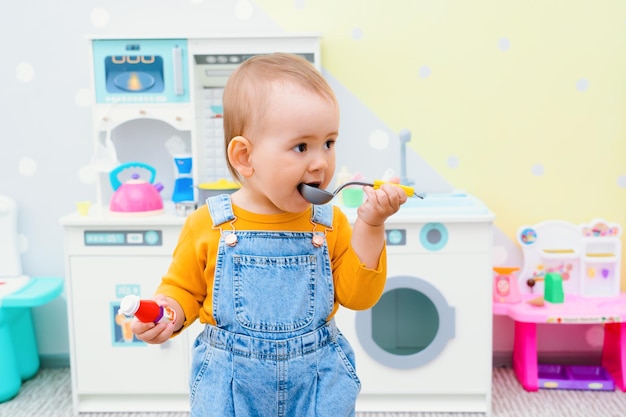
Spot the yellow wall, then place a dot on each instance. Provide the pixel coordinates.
(528, 96)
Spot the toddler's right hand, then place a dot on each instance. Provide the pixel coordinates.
(153, 333)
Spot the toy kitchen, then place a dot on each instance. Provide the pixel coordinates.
(158, 150)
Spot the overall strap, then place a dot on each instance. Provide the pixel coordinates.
(322, 215)
(221, 211)
(220, 208)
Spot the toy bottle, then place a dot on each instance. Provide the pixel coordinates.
(146, 310)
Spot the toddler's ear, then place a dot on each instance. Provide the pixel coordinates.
(239, 150)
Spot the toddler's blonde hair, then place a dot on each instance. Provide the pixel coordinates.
(248, 92)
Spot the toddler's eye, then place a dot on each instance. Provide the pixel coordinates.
(329, 144)
(300, 147)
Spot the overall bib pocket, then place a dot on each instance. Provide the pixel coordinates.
(274, 293)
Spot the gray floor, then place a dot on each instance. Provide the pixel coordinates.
(49, 395)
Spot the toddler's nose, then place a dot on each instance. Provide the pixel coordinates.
(318, 163)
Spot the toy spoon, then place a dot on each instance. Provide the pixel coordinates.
(315, 195)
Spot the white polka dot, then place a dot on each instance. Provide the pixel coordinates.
(621, 181)
(582, 84)
(453, 162)
(83, 97)
(499, 255)
(379, 139)
(22, 243)
(243, 10)
(27, 167)
(424, 72)
(537, 170)
(357, 33)
(595, 336)
(99, 17)
(504, 44)
(24, 72)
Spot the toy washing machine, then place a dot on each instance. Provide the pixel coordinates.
(426, 346)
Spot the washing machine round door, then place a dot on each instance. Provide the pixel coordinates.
(409, 326)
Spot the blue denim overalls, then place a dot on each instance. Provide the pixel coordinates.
(272, 352)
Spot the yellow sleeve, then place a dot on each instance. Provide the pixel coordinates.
(189, 278)
(356, 287)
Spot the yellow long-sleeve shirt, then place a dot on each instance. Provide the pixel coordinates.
(189, 279)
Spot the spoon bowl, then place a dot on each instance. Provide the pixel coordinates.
(315, 195)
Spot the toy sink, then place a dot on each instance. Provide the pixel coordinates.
(457, 202)
(442, 205)
(456, 206)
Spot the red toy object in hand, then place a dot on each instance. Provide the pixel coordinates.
(146, 310)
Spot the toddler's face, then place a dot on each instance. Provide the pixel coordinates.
(295, 144)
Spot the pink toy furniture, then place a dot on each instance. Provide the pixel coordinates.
(575, 310)
(588, 259)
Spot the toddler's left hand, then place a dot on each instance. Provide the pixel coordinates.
(381, 203)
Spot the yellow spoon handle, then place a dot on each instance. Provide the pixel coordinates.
(409, 191)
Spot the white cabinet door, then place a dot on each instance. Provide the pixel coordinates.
(106, 361)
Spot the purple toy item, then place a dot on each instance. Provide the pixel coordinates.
(579, 377)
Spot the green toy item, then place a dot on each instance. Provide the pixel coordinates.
(553, 288)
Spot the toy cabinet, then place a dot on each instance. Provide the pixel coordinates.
(93, 277)
(112, 371)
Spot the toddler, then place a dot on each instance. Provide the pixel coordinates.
(264, 269)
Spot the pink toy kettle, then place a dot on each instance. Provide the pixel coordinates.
(135, 196)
